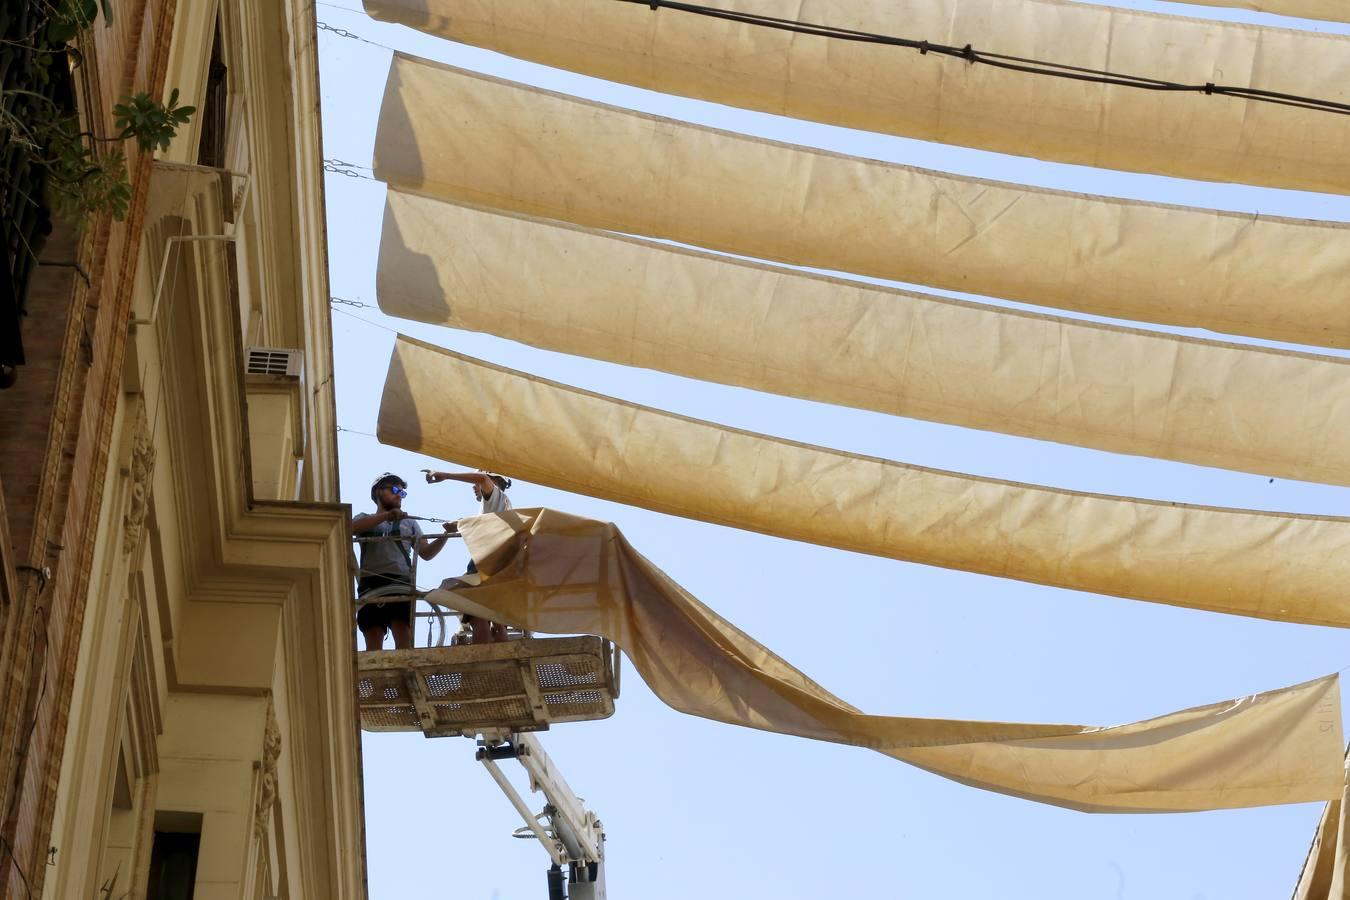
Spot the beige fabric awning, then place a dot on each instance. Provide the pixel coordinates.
(1271, 565)
(639, 303)
(464, 137)
(552, 572)
(898, 91)
(1327, 867)
(1331, 10)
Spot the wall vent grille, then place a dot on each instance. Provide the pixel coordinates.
(273, 361)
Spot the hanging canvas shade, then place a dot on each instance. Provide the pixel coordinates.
(639, 303)
(896, 90)
(458, 136)
(1331, 10)
(552, 572)
(1277, 566)
(1326, 871)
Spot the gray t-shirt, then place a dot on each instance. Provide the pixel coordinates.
(389, 557)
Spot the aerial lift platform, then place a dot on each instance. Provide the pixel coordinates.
(516, 686)
(499, 694)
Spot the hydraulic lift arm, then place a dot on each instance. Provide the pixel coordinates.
(571, 834)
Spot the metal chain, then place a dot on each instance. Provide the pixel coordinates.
(344, 33)
(338, 167)
(342, 301)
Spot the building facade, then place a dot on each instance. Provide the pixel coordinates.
(176, 646)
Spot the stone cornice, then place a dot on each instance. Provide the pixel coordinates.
(238, 552)
(243, 558)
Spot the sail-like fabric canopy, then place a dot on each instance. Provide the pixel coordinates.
(1331, 10)
(1276, 566)
(715, 318)
(899, 91)
(552, 572)
(1326, 871)
(455, 135)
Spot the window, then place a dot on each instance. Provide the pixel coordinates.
(173, 856)
(211, 149)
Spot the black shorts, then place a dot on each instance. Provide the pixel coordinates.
(380, 615)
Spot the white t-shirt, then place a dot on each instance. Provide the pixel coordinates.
(496, 502)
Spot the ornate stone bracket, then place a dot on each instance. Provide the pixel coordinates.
(141, 466)
(267, 795)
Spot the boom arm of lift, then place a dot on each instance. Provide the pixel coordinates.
(571, 834)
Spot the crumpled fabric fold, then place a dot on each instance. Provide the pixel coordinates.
(1326, 871)
(553, 572)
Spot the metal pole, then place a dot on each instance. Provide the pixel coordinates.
(571, 815)
(530, 821)
(164, 267)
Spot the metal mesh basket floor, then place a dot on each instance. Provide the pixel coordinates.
(524, 685)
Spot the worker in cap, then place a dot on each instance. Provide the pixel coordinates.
(386, 563)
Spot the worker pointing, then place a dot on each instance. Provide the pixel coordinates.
(490, 489)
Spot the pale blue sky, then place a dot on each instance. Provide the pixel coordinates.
(695, 808)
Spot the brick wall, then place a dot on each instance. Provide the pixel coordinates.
(53, 454)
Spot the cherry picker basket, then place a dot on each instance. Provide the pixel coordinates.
(520, 685)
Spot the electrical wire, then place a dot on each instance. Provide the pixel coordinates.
(999, 60)
(342, 32)
(343, 312)
(966, 52)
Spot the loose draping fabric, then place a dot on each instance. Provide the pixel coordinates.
(639, 303)
(1325, 871)
(899, 91)
(458, 136)
(1276, 566)
(553, 572)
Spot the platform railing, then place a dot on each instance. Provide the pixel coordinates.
(449, 686)
(439, 618)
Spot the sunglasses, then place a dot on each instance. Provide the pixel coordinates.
(397, 491)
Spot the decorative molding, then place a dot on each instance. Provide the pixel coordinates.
(142, 465)
(267, 795)
(112, 255)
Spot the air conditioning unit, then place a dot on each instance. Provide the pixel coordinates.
(274, 361)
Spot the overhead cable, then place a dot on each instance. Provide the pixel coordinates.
(338, 167)
(999, 60)
(344, 33)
